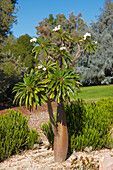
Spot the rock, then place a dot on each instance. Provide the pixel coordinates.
(40, 141)
(36, 146)
(88, 149)
(108, 162)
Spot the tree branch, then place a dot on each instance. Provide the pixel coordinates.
(78, 54)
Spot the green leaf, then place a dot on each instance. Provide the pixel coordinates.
(26, 101)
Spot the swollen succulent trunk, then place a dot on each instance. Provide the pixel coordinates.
(61, 139)
(60, 132)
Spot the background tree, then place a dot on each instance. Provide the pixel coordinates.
(16, 58)
(7, 18)
(74, 25)
(11, 71)
(98, 68)
(21, 49)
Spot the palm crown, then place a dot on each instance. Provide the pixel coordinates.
(30, 92)
(63, 83)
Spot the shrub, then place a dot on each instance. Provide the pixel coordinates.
(75, 116)
(107, 104)
(95, 130)
(15, 134)
(88, 125)
(47, 130)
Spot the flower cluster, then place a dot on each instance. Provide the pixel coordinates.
(86, 35)
(95, 42)
(40, 66)
(33, 40)
(57, 28)
(43, 68)
(62, 48)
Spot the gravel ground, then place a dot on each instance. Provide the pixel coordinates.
(41, 158)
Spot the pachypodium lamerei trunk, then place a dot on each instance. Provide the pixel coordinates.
(60, 132)
(61, 139)
(50, 111)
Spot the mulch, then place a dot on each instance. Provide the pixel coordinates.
(26, 112)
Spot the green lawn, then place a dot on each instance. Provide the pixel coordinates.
(95, 92)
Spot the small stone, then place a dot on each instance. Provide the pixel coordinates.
(40, 141)
(36, 146)
(88, 149)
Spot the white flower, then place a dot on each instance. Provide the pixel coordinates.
(33, 40)
(62, 48)
(95, 42)
(87, 35)
(57, 28)
(44, 69)
(40, 66)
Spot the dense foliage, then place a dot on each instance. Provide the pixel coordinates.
(89, 124)
(21, 49)
(106, 104)
(16, 60)
(15, 135)
(47, 130)
(94, 130)
(7, 18)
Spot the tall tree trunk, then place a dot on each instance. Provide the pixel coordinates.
(50, 111)
(61, 139)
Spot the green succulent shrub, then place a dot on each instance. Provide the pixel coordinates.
(88, 125)
(95, 130)
(15, 135)
(107, 104)
(75, 116)
(47, 130)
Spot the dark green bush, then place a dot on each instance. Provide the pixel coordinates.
(75, 116)
(47, 130)
(95, 130)
(88, 125)
(15, 134)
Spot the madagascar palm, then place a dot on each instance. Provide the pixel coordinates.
(62, 36)
(63, 85)
(44, 68)
(58, 54)
(30, 92)
(55, 80)
(41, 44)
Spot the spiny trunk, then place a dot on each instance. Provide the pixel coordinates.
(61, 139)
